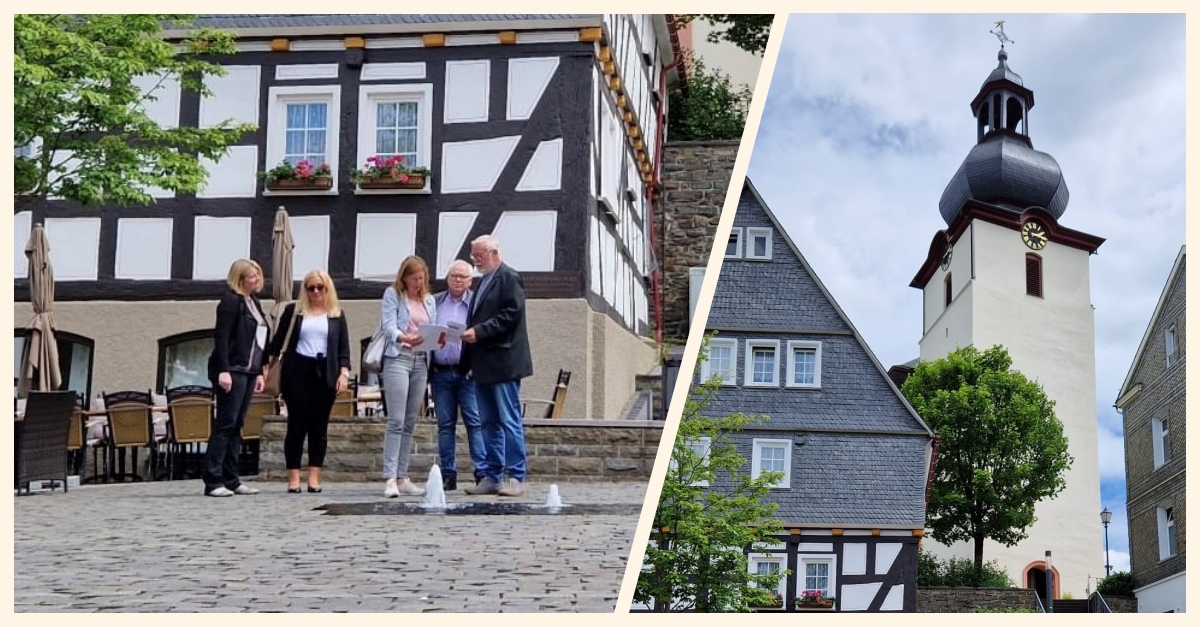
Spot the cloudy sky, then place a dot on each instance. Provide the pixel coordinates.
(868, 117)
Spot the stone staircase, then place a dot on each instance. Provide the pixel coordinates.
(1070, 606)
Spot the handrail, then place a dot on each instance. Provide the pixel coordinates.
(1103, 603)
(1037, 597)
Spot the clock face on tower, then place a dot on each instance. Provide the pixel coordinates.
(949, 252)
(1034, 235)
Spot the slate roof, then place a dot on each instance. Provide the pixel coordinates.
(1004, 171)
(280, 21)
(872, 471)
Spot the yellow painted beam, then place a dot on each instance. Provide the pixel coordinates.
(355, 42)
(280, 45)
(433, 40)
(592, 34)
(508, 37)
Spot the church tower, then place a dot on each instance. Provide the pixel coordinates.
(1006, 271)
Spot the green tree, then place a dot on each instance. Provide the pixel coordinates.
(696, 560)
(1118, 584)
(748, 31)
(78, 110)
(1002, 448)
(708, 107)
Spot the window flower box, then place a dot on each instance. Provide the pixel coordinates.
(380, 172)
(299, 177)
(403, 181)
(814, 600)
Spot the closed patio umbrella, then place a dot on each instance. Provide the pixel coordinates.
(281, 264)
(40, 357)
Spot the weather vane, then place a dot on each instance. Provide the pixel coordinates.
(1000, 34)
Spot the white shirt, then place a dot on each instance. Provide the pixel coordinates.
(314, 336)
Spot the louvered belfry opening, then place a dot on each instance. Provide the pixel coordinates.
(1033, 275)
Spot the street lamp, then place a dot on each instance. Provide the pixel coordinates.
(1106, 517)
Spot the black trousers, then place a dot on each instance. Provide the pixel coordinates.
(221, 458)
(309, 399)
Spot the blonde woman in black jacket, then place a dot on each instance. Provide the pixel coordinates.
(235, 368)
(316, 367)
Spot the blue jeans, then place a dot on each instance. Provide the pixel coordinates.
(503, 429)
(453, 392)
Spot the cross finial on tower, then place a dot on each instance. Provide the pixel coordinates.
(999, 33)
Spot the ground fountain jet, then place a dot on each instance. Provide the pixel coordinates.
(435, 494)
(554, 501)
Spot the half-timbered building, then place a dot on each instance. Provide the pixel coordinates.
(544, 130)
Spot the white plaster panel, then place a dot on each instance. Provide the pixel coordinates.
(160, 98)
(527, 80)
(217, 243)
(527, 239)
(894, 601)
(857, 597)
(234, 176)
(474, 166)
(383, 240)
(22, 225)
(473, 39)
(234, 97)
(814, 547)
(453, 228)
(608, 253)
(311, 236)
(854, 559)
(144, 248)
(544, 171)
(74, 247)
(317, 45)
(856, 532)
(896, 532)
(396, 42)
(594, 250)
(65, 161)
(467, 84)
(298, 71)
(548, 37)
(246, 46)
(885, 554)
(392, 71)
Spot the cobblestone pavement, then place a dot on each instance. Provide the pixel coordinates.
(164, 547)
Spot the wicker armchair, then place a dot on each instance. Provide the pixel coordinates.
(554, 405)
(345, 404)
(261, 406)
(191, 411)
(130, 427)
(41, 439)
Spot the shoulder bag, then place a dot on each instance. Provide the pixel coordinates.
(372, 360)
(273, 385)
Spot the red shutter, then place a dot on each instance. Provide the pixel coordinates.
(1033, 275)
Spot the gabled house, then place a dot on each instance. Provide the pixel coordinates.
(545, 130)
(1153, 404)
(855, 455)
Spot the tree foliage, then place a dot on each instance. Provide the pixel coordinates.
(748, 31)
(696, 560)
(1118, 584)
(1002, 448)
(80, 113)
(709, 108)
(959, 572)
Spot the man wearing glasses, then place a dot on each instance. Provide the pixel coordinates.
(497, 350)
(452, 389)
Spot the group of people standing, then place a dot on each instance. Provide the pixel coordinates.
(479, 376)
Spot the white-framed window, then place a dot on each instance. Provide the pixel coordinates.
(396, 120)
(722, 360)
(699, 447)
(758, 243)
(733, 249)
(803, 364)
(762, 363)
(1170, 348)
(768, 564)
(1166, 532)
(772, 456)
(816, 572)
(1162, 441)
(303, 123)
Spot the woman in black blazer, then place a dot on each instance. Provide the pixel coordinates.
(316, 367)
(235, 369)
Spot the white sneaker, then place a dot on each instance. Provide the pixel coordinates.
(406, 487)
(391, 491)
(221, 491)
(245, 489)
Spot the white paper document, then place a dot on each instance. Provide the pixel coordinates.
(435, 336)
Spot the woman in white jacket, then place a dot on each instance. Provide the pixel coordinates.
(407, 305)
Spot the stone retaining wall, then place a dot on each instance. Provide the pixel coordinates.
(957, 600)
(558, 450)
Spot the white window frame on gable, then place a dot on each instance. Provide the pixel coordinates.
(734, 234)
(802, 561)
(753, 234)
(1169, 337)
(756, 460)
(793, 347)
(770, 558)
(750, 365)
(278, 99)
(369, 99)
(730, 375)
(700, 447)
(1167, 540)
(1162, 444)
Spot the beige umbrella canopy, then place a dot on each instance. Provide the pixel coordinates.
(281, 263)
(40, 358)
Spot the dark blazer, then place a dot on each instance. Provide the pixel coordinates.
(339, 341)
(501, 350)
(233, 336)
